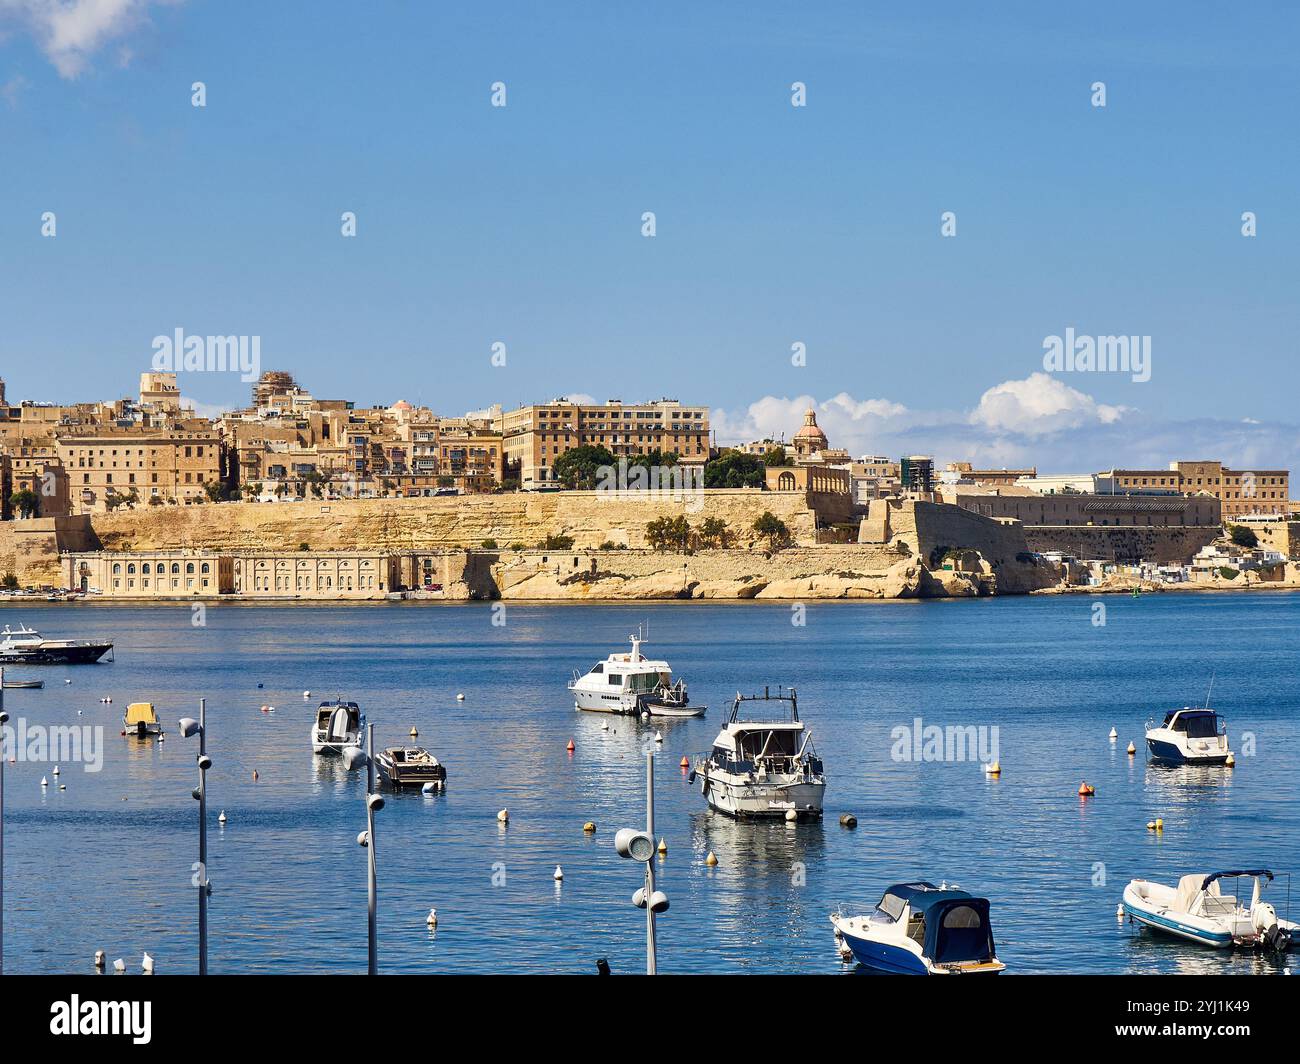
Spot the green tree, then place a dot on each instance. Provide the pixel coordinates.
(10, 582)
(578, 467)
(776, 456)
(489, 544)
(772, 528)
(1243, 536)
(713, 532)
(554, 542)
(733, 469)
(26, 502)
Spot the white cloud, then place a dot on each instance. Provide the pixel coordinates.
(1038, 421)
(1040, 405)
(69, 32)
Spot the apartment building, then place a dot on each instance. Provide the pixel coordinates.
(105, 465)
(535, 436)
(1245, 491)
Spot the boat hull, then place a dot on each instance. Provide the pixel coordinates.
(399, 778)
(891, 958)
(79, 654)
(1172, 754)
(752, 800)
(602, 702)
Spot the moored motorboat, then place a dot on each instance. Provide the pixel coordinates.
(339, 726)
(19, 685)
(141, 720)
(921, 929)
(762, 766)
(24, 646)
(1189, 736)
(410, 766)
(1198, 911)
(632, 683)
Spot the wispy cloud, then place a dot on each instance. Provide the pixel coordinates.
(70, 32)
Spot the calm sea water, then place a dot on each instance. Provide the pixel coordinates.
(106, 863)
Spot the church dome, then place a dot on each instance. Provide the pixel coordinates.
(810, 435)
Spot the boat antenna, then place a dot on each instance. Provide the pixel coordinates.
(1210, 691)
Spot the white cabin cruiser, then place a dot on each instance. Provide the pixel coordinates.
(920, 929)
(1198, 911)
(631, 683)
(339, 726)
(24, 646)
(763, 767)
(1189, 736)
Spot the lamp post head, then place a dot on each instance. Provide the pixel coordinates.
(4, 718)
(633, 844)
(375, 802)
(188, 726)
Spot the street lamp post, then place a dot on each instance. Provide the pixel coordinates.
(4, 719)
(374, 803)
(640, 846)
(189, 727)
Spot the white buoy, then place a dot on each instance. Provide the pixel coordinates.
(791, 815)
(67, 681)
(1113, 735)
(1119, 911)
(429, 788)
(658, 738)
(432, 919)
(146, 963)
(119, 966)
(44, 782)
(56, 770)
(559, 874)
(222, 818)
(604, 725)
(504, 816)
(460, 697)
(99, 958)
(306, 694)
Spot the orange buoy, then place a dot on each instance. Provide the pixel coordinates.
(1086, 790)
(571, 747)
(685, 763)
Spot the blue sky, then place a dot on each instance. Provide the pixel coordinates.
(775, 224)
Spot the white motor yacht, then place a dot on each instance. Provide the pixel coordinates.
(339, 726)
(760, 766)
(632, 683)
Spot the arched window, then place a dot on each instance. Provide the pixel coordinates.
(117, 568)
(785, 482)
(131, 568)
(189, 568)
(145, 568)
(176, 569)
(205, 568)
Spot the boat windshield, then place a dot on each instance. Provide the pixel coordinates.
(768, 743)
(1197, 725)
(891, 905)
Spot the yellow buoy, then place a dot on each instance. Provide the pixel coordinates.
(663, 848)
(589, 827)
(711, 860)
(1132, 749)
(995, 769)
(415, 732)
(1160, 824)
(1231, 761)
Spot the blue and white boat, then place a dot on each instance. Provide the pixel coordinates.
(1198, 911)
(920, 929)
(1189, 736)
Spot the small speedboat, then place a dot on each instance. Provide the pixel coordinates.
(1198, 911)
(630, 683)
(1189, 736)
(762, 766)
(410, 766)
(670, 701)
(339, 726)
(920, 929)
(20, 685)
(141, 720)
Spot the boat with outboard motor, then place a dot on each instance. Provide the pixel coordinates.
(920, 929)
(760, 766)
(24, 646)
(339, 727)
(1197, 910)
(410, 766)
(141, 720)
(631, 683)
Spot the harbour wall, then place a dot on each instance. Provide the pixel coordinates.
(1168, 545)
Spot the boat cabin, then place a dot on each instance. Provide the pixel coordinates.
(621, 674)
(1194, 723)
(951, 926)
